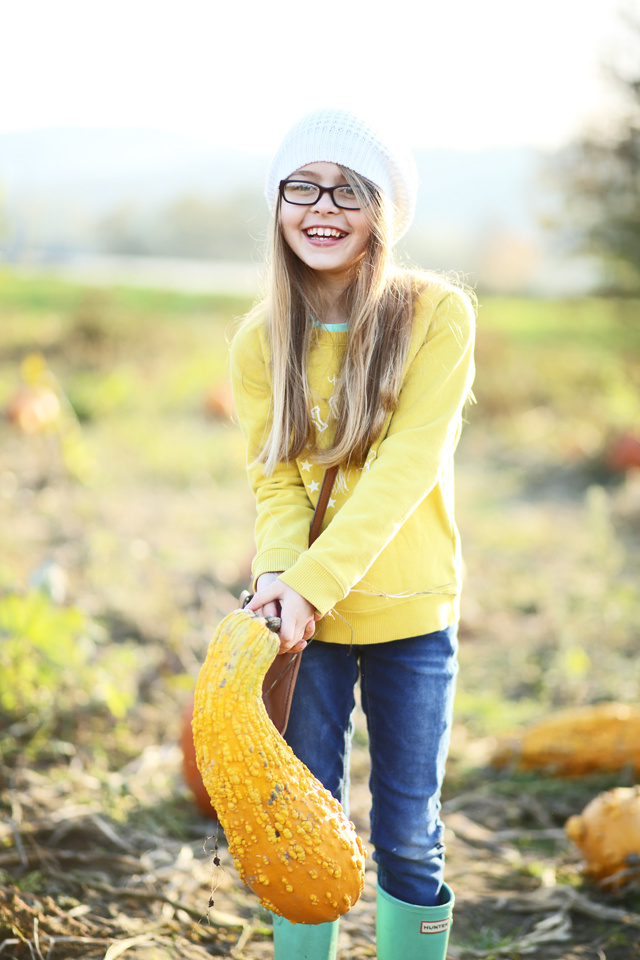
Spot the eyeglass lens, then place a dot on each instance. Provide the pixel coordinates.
(302, 192)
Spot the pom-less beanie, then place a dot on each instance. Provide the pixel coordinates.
(339, 136)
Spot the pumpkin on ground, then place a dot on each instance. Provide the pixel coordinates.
(624, 453)
(190, 770)
(608, 834)
(218, 401)
(290, 840)
(34, 409)
(573, 742)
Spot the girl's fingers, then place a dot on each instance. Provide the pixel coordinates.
(262, 597)
(296, 648)
(269, 610)
(289, 636)
(296, 613)
(292, 629)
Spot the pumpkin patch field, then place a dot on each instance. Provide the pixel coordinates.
(125, 539)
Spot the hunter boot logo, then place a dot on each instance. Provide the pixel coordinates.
(435, 926)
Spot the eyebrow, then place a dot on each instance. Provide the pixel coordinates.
(306, 173)
(313, 176)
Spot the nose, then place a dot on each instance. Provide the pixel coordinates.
(325, 204)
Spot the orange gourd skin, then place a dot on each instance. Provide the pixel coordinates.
(605, 736)
(289, 838)
(608, 832)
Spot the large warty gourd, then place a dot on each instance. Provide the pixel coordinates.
(290, 839)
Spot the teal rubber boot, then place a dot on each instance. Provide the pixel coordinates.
(304, 941)
(407, 932)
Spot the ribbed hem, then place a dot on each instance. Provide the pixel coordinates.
(272, 561)
(314, 583)
(398, 621)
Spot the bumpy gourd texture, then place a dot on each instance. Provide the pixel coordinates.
(608, 834)
(573, 742)
(290, 840)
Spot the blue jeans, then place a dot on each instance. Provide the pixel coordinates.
(407, 689)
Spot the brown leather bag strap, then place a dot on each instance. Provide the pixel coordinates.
(280, 680)
(321, 505)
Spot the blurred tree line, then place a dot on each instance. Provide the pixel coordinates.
(598, 176)
(219, 228)
(593, 188)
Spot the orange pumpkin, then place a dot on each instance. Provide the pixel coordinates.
(605, 736)
(34, 409)
(190, 770)
(608, 834)
(624, 453)
(218, 401)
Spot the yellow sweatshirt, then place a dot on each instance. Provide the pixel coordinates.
(387, 563)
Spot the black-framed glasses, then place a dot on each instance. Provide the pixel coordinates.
(305, 194)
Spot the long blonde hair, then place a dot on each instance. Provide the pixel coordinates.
(379, 302)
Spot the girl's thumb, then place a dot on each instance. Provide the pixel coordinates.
(260, 598)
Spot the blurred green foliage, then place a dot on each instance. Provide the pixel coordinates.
(551, 536)
(559, 374)
(42, 295)
(55, 665)
(589, 323)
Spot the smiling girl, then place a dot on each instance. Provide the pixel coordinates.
(352, 362)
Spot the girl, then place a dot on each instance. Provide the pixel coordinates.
(353, 362)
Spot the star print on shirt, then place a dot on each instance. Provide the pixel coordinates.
(313, 486)
(332, 502)
(317, 419)
(305, 465)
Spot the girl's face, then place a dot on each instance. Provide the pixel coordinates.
(305, 228)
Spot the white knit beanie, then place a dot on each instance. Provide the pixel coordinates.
(338, 136)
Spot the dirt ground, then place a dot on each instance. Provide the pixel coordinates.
(97, 857)
(102, 852)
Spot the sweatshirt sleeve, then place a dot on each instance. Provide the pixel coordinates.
(422, 436)
(284, 511)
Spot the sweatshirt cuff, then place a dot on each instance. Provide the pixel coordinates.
(273, 560)
(314, 583)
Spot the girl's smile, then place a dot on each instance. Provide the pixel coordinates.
(327, 238)
(324, 236)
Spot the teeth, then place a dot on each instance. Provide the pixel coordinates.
(324, 232)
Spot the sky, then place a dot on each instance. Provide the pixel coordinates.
(459, 74)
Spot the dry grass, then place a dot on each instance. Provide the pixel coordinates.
(152, 544)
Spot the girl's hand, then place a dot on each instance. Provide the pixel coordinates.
(297, 614)
(269, 609)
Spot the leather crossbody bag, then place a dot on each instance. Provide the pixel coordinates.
(280, 680)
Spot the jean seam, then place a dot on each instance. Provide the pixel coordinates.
(346, 767)
(374, 790)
